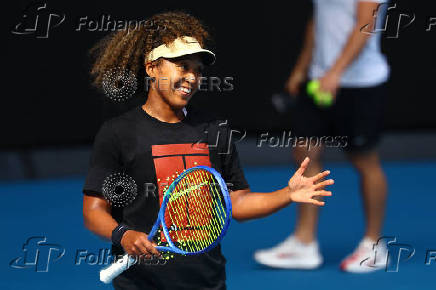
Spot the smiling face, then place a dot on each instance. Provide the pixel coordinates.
(176, 79)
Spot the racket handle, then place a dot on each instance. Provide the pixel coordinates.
(116, 268)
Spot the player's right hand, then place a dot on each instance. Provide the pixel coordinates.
(137, 244)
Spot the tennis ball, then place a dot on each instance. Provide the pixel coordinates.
(322, 99)
(312, 87)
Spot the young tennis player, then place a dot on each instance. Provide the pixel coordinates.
(154, 142)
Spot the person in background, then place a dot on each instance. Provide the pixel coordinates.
(345, 57)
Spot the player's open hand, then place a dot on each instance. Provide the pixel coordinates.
(137, 244)
(304, 189)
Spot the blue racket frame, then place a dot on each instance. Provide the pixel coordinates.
(161, 215)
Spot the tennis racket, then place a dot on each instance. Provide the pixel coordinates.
(195, 213)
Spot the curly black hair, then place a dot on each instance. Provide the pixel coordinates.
(126, 49)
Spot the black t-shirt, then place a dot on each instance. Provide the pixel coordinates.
(151, 152)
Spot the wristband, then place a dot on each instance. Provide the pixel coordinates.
(118, 232)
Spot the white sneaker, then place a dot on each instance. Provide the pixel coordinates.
(369, 256)
(291, 254)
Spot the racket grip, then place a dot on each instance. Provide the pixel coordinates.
(109, 273)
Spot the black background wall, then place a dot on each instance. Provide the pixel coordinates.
(47, 98)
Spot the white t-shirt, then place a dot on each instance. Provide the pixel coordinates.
(333, 23)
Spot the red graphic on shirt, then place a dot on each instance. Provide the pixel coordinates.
(170, 160)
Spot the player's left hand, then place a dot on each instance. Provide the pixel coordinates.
(329, 83)
(304, 189)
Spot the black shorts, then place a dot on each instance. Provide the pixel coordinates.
(135, 279)
(354, 122)
(203, 272)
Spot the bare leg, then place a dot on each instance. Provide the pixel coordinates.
(374, 191)
(307, 214)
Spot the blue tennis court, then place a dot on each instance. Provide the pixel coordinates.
(52, 209)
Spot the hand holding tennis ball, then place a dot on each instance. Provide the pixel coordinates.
(322, 99)
(304, 189)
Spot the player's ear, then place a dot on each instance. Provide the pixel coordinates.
(151, 68)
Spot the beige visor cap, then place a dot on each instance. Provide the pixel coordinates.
(181, 46)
